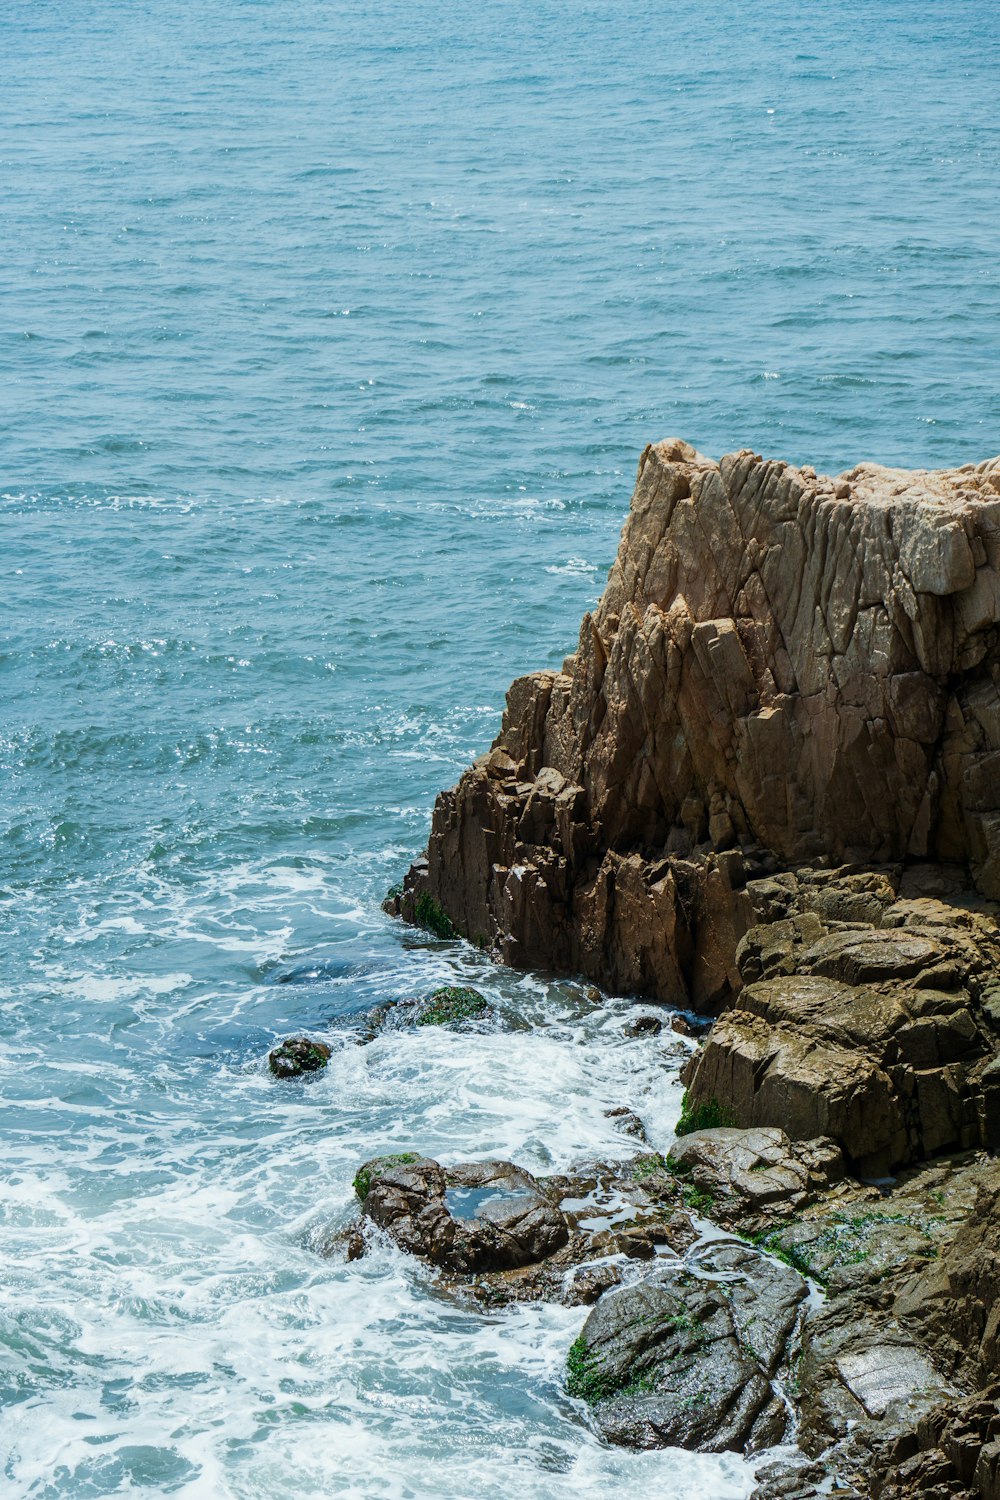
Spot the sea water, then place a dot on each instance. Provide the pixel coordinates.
(330, 337)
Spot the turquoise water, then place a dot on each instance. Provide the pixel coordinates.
(330, 338)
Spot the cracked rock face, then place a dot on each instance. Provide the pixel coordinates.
(687, 1360)
(882, 1037)
(756, 1176)
(780, 662)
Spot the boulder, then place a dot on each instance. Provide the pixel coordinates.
(480, 1216)
(687, 1356)
(298, 1055)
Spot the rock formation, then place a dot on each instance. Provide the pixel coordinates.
(767, 787)
(783, 669)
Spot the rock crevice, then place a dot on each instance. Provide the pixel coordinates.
(784, 669)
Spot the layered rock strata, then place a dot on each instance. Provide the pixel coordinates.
(767, 787)
(784, 668)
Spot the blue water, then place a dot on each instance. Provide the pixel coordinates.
(330, 337)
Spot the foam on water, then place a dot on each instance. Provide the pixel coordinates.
(331, 337)
(194, 1339)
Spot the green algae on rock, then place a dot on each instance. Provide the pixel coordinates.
(452, 1003)
(298, 1055)
(366, 1175)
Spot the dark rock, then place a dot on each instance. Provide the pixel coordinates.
(627, 1120)
(298, 1055)
(756, 1176)
(644, 1026)
(799, 1479)
(452, 1005)
(954, 1450)
(475, 1217)
(955, 1297)
(686, 1358)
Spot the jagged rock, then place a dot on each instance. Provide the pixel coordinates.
(956, 1298)
(298, 1055)
(954, 1451)
(608, 1216)
(783, 667)
(756, 1176)
(899, 1332)
(880, 1037)
(798, 1479)
(763, 788)
(478, 1216)
(615, 1214)
(687, 1359)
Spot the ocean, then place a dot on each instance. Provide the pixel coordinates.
(330, 338)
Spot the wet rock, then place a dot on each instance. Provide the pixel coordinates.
(686, 1358)
(863, 1375)
(644, 1026)
(756, 1176)
(614, 1218)
(954, 1451)
(799, 1479)
(627, 1120)
(473, 1217)
(902, 1327)
(451, 1005)
(298, 1055)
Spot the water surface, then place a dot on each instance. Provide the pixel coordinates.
(330, 338)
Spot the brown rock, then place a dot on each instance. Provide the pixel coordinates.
(779, 661)
(478, 1216)
(880, 1037)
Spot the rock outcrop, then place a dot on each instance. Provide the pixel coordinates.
(766, 787)
(298, 1055)
(783, 669)
(479, 1216)
(883, 1035)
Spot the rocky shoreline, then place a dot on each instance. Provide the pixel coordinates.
(765, 787)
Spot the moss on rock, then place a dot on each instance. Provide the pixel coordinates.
(366, 1175)
(431, 915)
(452, 1003)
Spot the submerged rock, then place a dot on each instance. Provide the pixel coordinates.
(451, 1005)
(644, 1026)
(298, 1055)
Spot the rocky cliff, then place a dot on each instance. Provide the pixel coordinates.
(775, 749)
(767, 786)
(784, 669)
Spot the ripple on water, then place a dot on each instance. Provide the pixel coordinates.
(333, 336)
